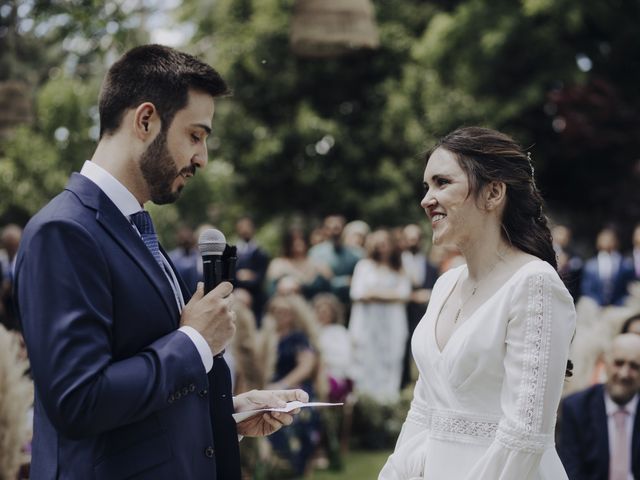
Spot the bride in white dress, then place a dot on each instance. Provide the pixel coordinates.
(492, 348)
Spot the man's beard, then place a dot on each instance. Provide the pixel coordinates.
(159, 171)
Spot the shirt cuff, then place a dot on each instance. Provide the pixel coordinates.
(201, 345)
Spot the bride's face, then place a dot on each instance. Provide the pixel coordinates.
(448, 201)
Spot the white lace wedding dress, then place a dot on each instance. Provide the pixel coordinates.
(484, 407)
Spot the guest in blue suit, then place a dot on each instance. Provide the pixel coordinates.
(251, 266)
(600, 426)
(606, 276)
(130, 380)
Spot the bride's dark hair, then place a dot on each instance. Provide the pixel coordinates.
(490, 156)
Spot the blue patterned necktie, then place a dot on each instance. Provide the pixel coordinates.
(142, 221)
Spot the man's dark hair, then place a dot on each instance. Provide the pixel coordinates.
(156, 74)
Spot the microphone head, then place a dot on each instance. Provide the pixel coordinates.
(212, 242)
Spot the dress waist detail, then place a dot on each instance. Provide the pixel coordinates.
(455, 425)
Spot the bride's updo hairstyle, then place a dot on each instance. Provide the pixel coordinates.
(487, 156)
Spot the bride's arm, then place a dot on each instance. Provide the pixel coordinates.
(542, 321)
(407, 460)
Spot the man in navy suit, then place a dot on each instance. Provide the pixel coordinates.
(600, 426)
(606, 276)
(129, 376)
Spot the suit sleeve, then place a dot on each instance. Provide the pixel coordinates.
(64, 297)
(541, 323)
(568, 445)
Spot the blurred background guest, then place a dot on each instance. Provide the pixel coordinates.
(606, 276)
(423, 275)
(186, 256)
(635, 253)
(340, 258)
(16, 400)
(294, 271)
(378, 324)
(336, 355)
(335, 345)
(290, 352)
(9, 241)
(251, 266)
(355, 235)
(569, 263)
(631, 325)
(245, 350)
(600, 427)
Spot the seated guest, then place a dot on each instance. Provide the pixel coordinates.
(600, 426)
(290, 352)
(335, 345)
(248, 374)
(293, 271)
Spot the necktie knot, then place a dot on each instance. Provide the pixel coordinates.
(142, 221)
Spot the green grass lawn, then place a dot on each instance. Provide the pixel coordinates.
(358, 465)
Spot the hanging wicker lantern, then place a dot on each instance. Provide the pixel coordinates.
(329, 28)
(15, 105)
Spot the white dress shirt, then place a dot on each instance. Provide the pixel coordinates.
(611, 408)
(127, 203)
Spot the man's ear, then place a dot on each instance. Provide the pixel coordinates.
(495, 195)
(146, 121)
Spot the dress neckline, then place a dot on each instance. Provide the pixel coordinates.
(464, 267)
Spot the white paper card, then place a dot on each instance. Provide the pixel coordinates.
(241, 416)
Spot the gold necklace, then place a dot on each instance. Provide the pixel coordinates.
(475, 289)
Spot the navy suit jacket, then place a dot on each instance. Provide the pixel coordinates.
(120, 393)
(584, 439)
(593, 287)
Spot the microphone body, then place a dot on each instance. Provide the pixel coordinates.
(218, 259)
(211, 271)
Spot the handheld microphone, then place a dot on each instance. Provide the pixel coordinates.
(218, 259)
(212, 244)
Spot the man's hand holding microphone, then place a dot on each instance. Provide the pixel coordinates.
(210, 312)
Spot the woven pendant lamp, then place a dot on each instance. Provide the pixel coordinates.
(329, 28)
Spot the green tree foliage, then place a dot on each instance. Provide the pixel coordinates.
(303, 137)
(59, 49)
(345, 134)
(308, 136)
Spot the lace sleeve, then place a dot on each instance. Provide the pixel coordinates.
(539, 331)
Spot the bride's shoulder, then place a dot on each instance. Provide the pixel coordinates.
(533, 271)
(450, 276)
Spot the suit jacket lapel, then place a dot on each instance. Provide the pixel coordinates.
(119, 228)
(186, 292)
(601, 434)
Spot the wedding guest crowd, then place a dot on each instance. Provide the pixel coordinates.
(332, 310)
